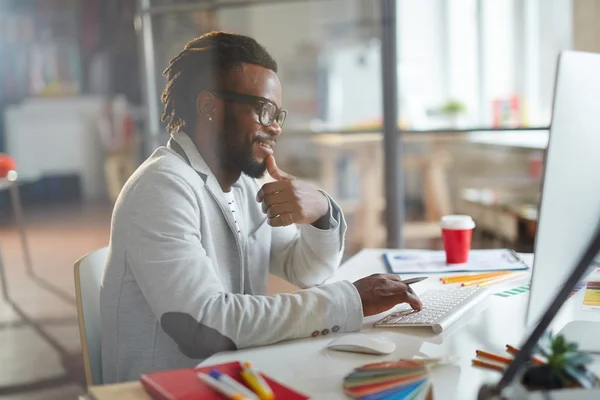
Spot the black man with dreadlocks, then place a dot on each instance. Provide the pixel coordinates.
(194, 235)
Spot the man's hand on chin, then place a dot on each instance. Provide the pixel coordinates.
(291, 201)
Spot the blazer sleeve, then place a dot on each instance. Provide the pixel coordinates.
(307, 256)
(182, 286)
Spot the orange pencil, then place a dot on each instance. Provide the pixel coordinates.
(464, 278)
(489, 281)
(487, 365)
(513, 350)
(492, 356)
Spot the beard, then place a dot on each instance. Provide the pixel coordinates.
(237, 154)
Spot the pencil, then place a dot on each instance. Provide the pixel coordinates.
(509, 277)
(463, 278)
(513, 350)
(487, 365)
(492, 356)
(489, 281)
(414, 280)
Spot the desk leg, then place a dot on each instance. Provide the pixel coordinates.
(328, 171)
(370, 161)
(3, 280)
(18, 210)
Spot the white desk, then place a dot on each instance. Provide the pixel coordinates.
(308, 366)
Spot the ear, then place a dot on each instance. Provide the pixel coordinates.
(205, 104)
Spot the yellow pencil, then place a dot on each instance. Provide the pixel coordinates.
(489, 281)
(482, 274)
(464, 278)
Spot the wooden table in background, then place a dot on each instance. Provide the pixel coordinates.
(367, 150)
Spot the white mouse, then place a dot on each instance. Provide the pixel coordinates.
(363, 343)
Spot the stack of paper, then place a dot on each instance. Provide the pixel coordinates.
(404, 379)
(434, 261)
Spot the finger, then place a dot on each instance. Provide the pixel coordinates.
(282, 208)
(406, 297)
(396, 278)
(272, 187)
(275, 198)
(393, 277)
(394, 287)
(275, 222)
(281, 220)
(414, 301)
(275, 172)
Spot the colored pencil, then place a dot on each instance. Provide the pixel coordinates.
(487, 365)
(513, 350)
(494, 357)
(414, 280)
(489, 281)
(464, 278)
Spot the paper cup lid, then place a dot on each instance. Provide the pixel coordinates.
(457, 222)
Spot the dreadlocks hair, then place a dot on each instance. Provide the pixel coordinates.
(203, 65)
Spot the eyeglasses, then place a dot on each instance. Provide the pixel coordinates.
(267, 111)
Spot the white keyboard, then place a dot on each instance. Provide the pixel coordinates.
(441, 308)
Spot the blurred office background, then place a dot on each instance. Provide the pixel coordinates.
(79, 109)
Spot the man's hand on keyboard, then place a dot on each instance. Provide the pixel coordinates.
(380, 292)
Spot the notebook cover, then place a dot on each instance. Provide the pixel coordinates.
(184, 384)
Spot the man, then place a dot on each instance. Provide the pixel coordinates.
(194, 236)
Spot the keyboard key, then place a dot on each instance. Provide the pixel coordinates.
(440, 308)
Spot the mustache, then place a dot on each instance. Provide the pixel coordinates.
(270, 140)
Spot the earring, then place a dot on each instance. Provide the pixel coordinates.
(210, 118)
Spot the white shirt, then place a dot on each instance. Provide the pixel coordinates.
(231, 203)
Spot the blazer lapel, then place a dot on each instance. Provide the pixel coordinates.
(181, 143)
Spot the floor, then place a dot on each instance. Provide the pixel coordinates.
(40, 354)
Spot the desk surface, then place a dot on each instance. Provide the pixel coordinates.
(308, 366)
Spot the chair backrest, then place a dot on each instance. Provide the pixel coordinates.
(89, 271)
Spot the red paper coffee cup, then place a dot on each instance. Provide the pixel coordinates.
(457, 231)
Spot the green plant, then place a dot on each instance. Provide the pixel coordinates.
(453, 107)
(566, 366)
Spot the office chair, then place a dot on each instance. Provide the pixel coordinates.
(89, 271)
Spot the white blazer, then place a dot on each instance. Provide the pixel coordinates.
(181, 284)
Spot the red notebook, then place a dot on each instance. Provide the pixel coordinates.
(184, 384)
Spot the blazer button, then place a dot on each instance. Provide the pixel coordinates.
(335, 328)
(315, 333)
(324, 331)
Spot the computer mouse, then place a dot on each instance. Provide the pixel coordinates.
(363, 343)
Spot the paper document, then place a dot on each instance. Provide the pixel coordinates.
(432, 261)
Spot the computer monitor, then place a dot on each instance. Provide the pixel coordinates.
(570, 206)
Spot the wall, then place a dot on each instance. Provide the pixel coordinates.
(298, 35)
(586, 25)
(556, 35)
